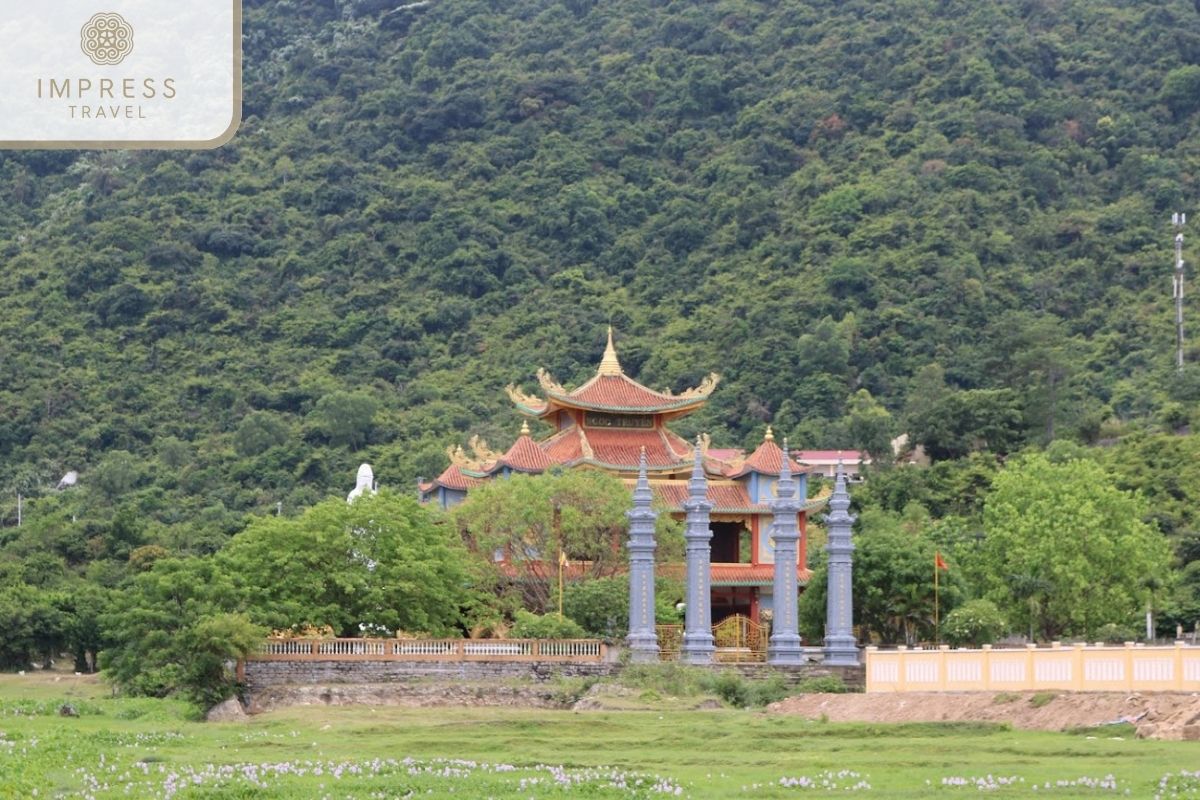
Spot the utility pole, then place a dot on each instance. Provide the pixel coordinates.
(1178, 221)
(19, 499)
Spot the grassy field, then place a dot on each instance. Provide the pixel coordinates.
(122, 748)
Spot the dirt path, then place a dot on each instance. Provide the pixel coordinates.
(1157, 715)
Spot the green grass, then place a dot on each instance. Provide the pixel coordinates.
(118, 743)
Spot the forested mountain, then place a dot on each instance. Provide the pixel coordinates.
(944, 217)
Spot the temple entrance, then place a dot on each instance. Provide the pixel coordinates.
(728, 601)
(737, 638)
(730, 543)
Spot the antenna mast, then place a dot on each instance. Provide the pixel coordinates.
(1178, 221)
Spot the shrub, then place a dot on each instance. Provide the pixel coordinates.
(600, 606)
(829, 684)
(1041, 698)
(548, 626)
(1113, 633)
(668, 679)
(975, 622)
(742, 693)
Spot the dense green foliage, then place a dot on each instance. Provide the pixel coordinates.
(532, 520)
(382, 563)
(1065, 551)
(528, 625)
(936, 217)
(818, 200)
(372, 567)
(974, 623)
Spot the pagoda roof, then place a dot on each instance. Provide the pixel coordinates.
(525, 455)
(766, 459)
(453, 477)
(751, 574)
(611, 390)
(617, 447)
(727, 497)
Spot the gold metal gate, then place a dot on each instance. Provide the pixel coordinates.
(738, 639)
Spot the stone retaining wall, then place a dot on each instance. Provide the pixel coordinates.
(261, 674)
(265, 674)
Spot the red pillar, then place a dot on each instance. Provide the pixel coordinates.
(802, 551)
(754, 539)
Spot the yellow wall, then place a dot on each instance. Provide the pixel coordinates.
(1075, 667)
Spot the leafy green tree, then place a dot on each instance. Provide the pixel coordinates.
(261, 430)
(892, 584)
(601, 605)
(344, 419)
(171, 629)
(1181, 89)
(1066, 551)
(965, 421)
(381, 563)
(870, 426)
(526, 521)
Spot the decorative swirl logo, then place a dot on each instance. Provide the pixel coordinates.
(106, 38)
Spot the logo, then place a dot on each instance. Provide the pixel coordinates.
(106, 38)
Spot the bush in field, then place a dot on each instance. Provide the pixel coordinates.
(171, 631)
(548, 626)
(975, 622)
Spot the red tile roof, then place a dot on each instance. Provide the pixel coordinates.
(564, 447)
(621, 391)
(525, 456)
(724, 496)
(750, 574)
(453, 478)
(766, 460)
(622, 447)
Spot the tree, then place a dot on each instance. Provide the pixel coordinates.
(1066, 552)
(344, 419)
(871, 427)
(171, 630)
(1181, 89)
(969, 420)
(892, 584)
(601, 605)
(521, 524)
(382, 563)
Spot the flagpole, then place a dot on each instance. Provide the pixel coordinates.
(561, 559)
(937, 630)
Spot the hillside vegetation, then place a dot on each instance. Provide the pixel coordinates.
(941, 217)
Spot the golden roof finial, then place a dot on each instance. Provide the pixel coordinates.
(524, 427)
(609, 365)
(770, 437)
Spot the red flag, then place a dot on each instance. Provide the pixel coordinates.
(939, 562)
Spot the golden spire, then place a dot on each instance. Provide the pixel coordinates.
(609, 364)
(770, 437)
(524, 427)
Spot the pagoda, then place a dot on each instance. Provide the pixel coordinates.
(606, 424)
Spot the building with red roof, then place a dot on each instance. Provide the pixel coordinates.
(605, 424)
